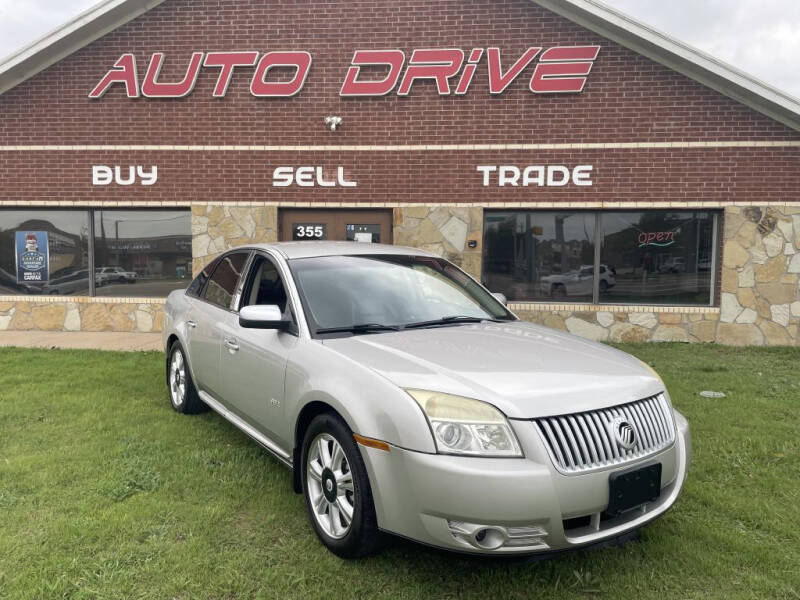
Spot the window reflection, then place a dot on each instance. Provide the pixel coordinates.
(646, 257)
(540, 255)
(142, 253)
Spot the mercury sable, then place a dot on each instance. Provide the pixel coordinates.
(406, 398)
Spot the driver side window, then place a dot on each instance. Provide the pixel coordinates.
(264, 285)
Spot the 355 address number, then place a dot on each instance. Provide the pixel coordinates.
(310, 232)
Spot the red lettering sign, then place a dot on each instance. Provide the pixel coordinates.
(560, 70)
(394, 59)
(153, 89)
(300, 61)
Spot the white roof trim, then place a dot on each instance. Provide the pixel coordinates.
(594, 15)
(81, 31)
(679, 56)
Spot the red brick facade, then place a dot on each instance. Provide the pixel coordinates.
(628, 99)
(746, 175)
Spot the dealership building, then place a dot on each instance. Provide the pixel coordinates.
(609, 180)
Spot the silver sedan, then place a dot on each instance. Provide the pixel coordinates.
(407, 399)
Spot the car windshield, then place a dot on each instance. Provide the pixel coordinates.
(367, 294)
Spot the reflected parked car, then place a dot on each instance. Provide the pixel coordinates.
(675, 264)
(105, 275)
(577, 283)
(406, 398)
(77, 281)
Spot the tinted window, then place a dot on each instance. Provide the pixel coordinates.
(659, 257)
(540, 255)
(222, 285)
(153, 246)
(66, 269)
(265, 285)
(196, 287)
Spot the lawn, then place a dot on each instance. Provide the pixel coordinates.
(105, 492)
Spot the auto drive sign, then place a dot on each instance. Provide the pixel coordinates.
(33, 257)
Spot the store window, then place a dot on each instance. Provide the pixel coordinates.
(141, 252)
(44, 252)
(145, 253)
(609, 257)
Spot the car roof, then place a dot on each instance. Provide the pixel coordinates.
(293, 250)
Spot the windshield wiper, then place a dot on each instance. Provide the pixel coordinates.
(450, 320)
(360, 328)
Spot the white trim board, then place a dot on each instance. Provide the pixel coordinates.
(407, 147)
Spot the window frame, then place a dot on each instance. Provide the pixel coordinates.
(713, 301)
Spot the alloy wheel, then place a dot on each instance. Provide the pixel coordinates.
(330, 486)
(177, 378)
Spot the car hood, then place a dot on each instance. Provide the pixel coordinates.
(524, 369)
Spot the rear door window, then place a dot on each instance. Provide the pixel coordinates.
(222, 284)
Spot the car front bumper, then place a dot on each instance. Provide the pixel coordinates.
(510, 506)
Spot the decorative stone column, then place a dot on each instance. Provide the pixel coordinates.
(443, 230)
(760, 303)
(216, 228)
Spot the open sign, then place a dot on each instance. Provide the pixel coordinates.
(656, 238)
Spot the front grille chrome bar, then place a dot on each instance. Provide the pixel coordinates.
(587, 441)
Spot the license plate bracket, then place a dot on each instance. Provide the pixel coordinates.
(631, 489)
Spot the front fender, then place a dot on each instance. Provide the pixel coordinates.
(370, 404)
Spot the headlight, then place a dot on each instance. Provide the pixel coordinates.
(466, 426)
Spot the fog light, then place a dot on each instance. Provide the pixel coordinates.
(498, 537)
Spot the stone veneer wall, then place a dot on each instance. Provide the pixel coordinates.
(760, 303)
(33, 313)
(443, 230)
(216, 228)
(626, 323)
(760, 280)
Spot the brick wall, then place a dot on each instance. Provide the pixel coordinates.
(628, 97)
(659, 175)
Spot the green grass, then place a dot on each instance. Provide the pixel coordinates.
(105, 492)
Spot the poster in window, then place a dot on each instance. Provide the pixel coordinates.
(33, 257)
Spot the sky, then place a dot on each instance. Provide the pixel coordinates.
(760, 37)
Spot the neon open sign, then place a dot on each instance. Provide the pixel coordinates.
(656, 238)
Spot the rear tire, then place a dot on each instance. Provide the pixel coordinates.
(182, 393)
(336, 489)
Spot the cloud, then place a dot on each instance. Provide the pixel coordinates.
(760, 37)
(23, 22)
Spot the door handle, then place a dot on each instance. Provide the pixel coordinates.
(231, 344)
(191, 324)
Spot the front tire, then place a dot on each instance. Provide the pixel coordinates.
(336, 489)
(182, 392)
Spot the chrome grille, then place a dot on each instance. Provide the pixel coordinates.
(586, 441)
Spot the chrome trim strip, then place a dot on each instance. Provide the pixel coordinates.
(242, 425)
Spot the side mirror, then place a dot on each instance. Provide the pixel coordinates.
(267, 316)
(501, 298)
